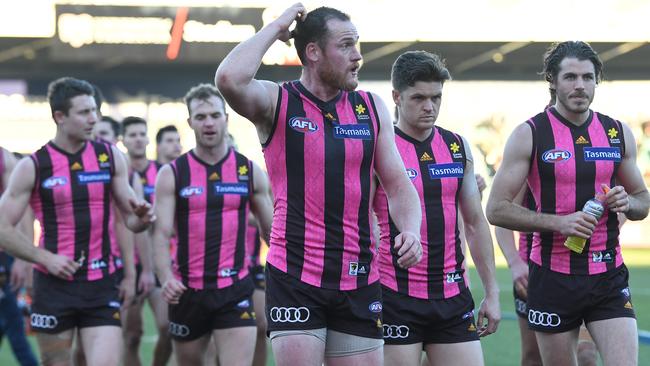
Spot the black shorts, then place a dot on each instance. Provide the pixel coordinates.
(294, 305)
(409, 320)
(521, 307)
(59, 305)
(257, 273)
(558, 302)
(201, 311)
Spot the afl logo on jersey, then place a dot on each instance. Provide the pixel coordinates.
(53, 182)
(411, 173)
(303, 124)
(191, 191)
(555, 156)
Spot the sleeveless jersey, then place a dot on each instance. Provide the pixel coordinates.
(435, 167)
(320, 160)
(72, 201)
(212, 204)
(148, 179)
(569, 164)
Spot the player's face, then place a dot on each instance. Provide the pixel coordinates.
(575, 85)
(136, 140)
(169, 147)
(209, 121)
(81, 118)
(419, 104)
(340, 57)
(104, 131)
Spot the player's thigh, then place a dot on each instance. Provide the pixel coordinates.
(160, 308)
(235, 346)
(259, 303)
(402, 354)
(191, 352)
(299, 347)
(55, 348)
(617, 340)
(101, 344)
(464, 353)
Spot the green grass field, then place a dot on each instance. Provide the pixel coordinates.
(500, 349)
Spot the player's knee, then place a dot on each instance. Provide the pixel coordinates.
(587, 354)
(132, 338)
(55, 356)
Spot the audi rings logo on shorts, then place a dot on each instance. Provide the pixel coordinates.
(395, 331)
(178, 330)
(289, 315)
(43, 321)
(543, 318)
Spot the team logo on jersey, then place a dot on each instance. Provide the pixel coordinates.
(76, 166)
(581, 140)
(411, 173)
(97, 264)
(228, 272)
(243, 172)
(53, 182)
(148, 189)
(606, 256)
(612, 133)
(375, 307)
(303, 124)
(359, 269)
(221, 189)
(454, 277)
(103, 161)
(244, 304)
(190, 191)
(455, 148)
(361, 111)
(214, 176)
(626, 292)
(555, 156)
(602, 153)
(93, 177)
(357, 131)
(426, 157)
(448, 170)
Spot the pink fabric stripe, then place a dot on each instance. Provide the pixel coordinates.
(63, 202)
(314, 148)
(353, 159)
(229, 221)
(449, 186)
(374, 267)
(565, 178)
(96, 209)
(604, 171)
(277, 170)
(197, 205)
(150, 176)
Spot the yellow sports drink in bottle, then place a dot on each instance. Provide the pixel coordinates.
(593, 207)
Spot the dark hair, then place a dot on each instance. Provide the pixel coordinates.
(203, 92)
(98, 96)
(60, 91)
(115, 126)
(164, 130)
(413, 66)
(314, 29)
(574, 49)
(131, 120)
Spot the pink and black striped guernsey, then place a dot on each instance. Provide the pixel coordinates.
(569, 164)
(148, 179)
(320, 160)
(72, 201)
(436, 167)
(212, 204)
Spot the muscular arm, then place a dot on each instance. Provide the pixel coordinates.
(403, 200)
(629, 177)
(165, 207)
(137, 213)
(235, 77)
(261, 204)
(13, 204)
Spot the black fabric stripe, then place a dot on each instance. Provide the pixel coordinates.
(213, 227)
(81, 214)
(334, 201)
(43, 168)
(584, 191)
(545, 140)
(612, 220)
(363, 222)
(240, 250)
(182, 177)
(295, 168)
(529, 202)
(435, 224)
(278, 104)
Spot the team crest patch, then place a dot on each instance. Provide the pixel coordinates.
(303, 125)
(359, 269)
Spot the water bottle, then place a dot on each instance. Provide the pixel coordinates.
(593, 207)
